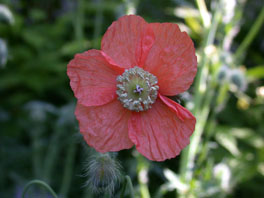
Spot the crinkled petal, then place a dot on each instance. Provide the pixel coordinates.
(163, 131)
(92, 78)
(128, 41)
(171, 59)
(105, 127)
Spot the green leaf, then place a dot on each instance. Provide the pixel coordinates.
(227, 140)
(74, 47)
(256, 72)
(248, 136)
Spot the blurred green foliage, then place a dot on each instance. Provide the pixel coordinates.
(39, 136)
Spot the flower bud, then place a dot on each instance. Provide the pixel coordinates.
(3, 53)
(6, 15)
(103, 173)
(222, 75)
(238, 80)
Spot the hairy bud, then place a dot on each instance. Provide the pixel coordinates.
(103, 172)
(223, 74)
(238, 79)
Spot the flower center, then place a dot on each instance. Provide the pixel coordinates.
(137, 89)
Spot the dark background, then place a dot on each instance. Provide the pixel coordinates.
(39, 135)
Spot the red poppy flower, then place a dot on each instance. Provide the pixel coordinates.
(122, 88)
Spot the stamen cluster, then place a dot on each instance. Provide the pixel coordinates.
(137, 89)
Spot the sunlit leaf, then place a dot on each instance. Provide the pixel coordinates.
(175, 180)
(249, 136)
(226, 139)
(256, 72)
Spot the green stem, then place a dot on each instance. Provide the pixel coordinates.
(128, 183)
(36, 146)
(53, 150)
(98, 23)
(78, 22)
(188, 154)
(142, 169)
(205, 147)
(130, 186)
(204, 13)
(41, 183)
(191, 151)
(250, 36)
(69, 163)
(123, 190)
(201, 76)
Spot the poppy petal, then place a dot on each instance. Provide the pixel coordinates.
(163, 131)
(105, 127)
(92, 78)
(172, 59)
(128, 41)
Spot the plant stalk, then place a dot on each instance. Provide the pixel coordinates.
(200, 111)
(250, 36)
(41, 183)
